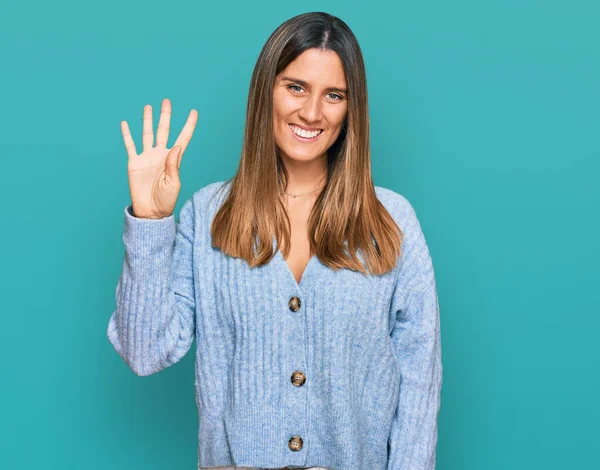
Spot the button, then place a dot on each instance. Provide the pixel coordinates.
(298, 378)
(295, 443)
(294, 304)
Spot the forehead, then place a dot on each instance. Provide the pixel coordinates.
(317, 67)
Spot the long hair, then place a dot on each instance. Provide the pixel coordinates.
(347, 218)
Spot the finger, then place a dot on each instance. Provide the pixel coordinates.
(164, 124)
(188, 130)
(171, 167)
(147, 132)
(129, 144)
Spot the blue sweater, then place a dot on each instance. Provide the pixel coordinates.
(341, 370)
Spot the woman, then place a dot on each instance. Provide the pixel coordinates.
(310, 291)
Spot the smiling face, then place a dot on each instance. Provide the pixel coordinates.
(309, 105)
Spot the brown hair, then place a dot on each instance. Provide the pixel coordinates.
(347, 212)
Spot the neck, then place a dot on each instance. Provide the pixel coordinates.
(305, 176)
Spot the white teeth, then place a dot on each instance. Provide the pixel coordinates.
(303, 133)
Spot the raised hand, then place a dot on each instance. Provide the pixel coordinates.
(154, 174)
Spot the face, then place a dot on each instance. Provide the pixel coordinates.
(309, 105)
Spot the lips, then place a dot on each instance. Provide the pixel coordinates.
(303, 138)
(309, 129)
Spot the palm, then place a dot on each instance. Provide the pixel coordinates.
(154, 174)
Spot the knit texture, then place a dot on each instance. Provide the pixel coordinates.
(369, 346)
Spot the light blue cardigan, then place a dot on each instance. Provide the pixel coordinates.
(367, 347)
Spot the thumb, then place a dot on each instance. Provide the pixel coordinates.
(171, 164)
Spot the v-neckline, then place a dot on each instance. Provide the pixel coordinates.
(288, 285)
(303, 277)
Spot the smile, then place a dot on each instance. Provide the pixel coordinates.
(303, 135)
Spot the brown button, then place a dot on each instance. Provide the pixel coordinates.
(295, 443)
(298, 378)
(294, 304)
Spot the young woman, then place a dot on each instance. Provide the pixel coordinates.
(310, 291)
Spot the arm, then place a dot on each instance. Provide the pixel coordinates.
(417, 342)
(153, 325)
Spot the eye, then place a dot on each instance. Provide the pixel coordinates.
(332, 96)
(294, 86)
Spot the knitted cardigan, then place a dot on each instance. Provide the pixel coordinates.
(342, 370)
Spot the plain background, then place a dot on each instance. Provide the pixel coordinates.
(485, 115)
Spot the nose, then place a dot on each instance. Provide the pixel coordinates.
(311, 110)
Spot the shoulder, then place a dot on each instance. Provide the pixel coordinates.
(405, 216)
(415, 250)
(204, 202)
(211, 193)
(398, 205)
(206, 199)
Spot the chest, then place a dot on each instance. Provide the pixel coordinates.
(299, 254)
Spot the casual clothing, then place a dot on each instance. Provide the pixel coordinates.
(262, 468)
(342, 370)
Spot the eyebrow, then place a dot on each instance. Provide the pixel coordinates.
(305, 84)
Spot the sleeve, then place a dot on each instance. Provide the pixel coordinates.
(417, 344)
(153, 324)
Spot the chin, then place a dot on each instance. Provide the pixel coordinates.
(301, 156)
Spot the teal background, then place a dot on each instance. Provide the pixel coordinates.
(483, 114)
